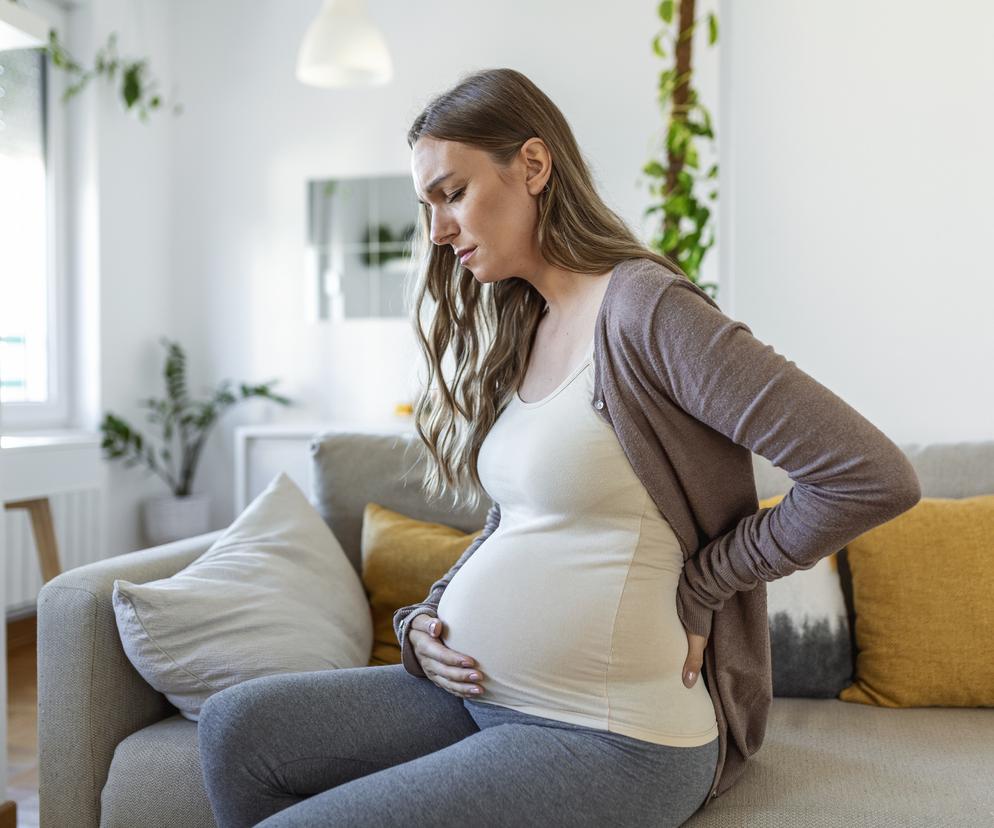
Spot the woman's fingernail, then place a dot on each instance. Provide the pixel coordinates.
(690, 677)
(432, 627)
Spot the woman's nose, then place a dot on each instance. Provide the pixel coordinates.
(441, 230)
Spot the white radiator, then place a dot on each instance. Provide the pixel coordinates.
(76, 517)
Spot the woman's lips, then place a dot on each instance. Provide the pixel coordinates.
(465, 256)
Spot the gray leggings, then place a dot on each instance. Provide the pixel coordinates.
(377, 746)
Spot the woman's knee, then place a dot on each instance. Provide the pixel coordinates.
(231, 715)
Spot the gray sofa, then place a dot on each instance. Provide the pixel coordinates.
(113, 752)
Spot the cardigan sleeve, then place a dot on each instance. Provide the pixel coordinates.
(848, 476)
(403, 616)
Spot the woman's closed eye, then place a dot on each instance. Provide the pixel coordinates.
(455, 196)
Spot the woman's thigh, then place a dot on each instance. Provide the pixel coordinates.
(515, 774)
(269, 742)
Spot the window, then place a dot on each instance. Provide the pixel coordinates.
(33, 341)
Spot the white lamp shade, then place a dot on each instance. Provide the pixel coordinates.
(20, 28)
(342, 48)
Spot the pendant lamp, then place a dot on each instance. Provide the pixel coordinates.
(343, 48)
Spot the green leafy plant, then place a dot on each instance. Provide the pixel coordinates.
(185, 422)
(393, 247)
(683, 219)
(138, 91)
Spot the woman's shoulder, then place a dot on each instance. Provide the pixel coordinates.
(642, 285)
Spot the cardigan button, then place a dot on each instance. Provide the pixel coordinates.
(599, 404)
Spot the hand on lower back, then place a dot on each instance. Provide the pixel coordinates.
(695, 658)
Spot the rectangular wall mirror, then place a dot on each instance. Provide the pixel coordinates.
(359, 245)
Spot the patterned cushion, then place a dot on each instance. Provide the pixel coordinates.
(810, 635)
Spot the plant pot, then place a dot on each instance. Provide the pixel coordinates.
(170, 518)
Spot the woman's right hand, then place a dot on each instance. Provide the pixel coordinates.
(448, 669)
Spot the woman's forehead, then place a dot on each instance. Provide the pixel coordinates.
(430, 155)
(432, 163)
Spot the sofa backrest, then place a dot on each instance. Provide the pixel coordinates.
(350, 469)
(944, 469)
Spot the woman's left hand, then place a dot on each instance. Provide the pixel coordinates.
(695, 657)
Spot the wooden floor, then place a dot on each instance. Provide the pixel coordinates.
(22, 720)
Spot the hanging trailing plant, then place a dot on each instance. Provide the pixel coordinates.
(683, 220)
(138, 91)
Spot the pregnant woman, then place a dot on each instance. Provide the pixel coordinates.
(608, 410)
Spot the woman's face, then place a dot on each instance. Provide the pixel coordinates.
(475, 203)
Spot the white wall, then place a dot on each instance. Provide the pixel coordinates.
(855, 185)
(861, 173)
(120, 238)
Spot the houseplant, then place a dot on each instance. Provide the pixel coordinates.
(138, 90)
(681, 218)
(185, 424)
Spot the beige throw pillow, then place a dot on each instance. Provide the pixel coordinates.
(274, 594)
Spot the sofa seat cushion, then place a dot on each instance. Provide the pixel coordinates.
(155, 780)
(823, 763)
(826, 763)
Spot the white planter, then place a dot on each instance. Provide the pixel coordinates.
(171, 518)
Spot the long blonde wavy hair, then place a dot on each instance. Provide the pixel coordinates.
(489, 329)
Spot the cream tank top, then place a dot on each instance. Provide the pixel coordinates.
(569, 606)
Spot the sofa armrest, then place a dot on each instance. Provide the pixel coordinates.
(90, 697)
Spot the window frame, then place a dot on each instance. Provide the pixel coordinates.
(55, 412)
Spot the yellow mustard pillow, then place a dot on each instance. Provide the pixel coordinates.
(922, 586)
(401, 559)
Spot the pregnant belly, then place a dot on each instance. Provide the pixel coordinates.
(541, 622)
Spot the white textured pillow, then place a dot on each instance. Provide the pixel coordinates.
(274, 594)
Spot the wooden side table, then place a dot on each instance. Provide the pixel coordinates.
(44, 533)
(33, 467)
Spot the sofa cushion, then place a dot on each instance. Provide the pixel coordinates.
(922, 585)
(810, 639)
(273, 594)
(825, 763)
(155, 780)
(401, 558)
(352, 468)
